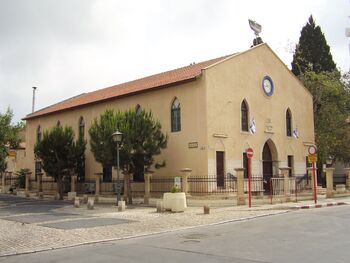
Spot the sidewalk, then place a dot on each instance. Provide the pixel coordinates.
(17, 237)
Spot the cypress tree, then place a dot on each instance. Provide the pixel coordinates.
(312, 53)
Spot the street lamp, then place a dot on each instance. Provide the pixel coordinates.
(117, 137)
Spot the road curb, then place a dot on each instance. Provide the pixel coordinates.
(319, 205)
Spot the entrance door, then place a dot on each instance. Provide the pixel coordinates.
(267, 167)
(220, 169)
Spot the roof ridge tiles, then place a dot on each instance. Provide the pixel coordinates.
(158, 80)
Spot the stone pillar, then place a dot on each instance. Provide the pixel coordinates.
(186, 172)
(3, 181)
(285, 174)
(329, 181)
(73, 181)
(147, 188)
(240, 186)
(310, 177)
(27, 183)
(98, 180)
(347, 174)
(39, 182)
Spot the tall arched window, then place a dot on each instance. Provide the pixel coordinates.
(289, 123)
(175, 116)
(244, 116)
(38, 134)
(81, 126)
(138, 109)
(58, 123)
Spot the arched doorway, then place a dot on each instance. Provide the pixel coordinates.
(267, 166)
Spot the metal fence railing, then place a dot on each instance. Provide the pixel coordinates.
(49, 185)
(161, 184)
(339, 179)
(86, 187)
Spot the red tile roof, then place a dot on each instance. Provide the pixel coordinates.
(165, 79)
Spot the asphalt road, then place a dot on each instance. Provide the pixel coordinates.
(315, 235)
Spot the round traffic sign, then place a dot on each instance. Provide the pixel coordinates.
(312, 149)
(250, 152)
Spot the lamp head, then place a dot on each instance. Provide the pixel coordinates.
(117, 136)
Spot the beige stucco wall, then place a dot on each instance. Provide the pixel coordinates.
(18, 162)
(211, 106)
(240, 77)
(177, 155)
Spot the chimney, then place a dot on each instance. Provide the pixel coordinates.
(33, 102)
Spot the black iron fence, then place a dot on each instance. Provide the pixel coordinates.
(11, 179)
(162, 184)
(86, 187)
(339, 179)
(48, 184)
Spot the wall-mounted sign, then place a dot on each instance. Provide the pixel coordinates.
(177, 182)
(193, 145)
(11, 153)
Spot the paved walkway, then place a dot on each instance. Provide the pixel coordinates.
(65, 226)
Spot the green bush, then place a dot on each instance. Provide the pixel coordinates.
(21, 179)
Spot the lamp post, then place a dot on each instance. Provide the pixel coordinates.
(117, 137)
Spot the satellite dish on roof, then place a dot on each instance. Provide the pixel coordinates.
(255, 27)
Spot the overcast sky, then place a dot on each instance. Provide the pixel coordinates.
(67, 47)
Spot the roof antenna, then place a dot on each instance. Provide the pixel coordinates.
(257, 30)
(33, 102)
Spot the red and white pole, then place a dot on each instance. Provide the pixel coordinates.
(315, 181)
(249, 183)
(250, 154)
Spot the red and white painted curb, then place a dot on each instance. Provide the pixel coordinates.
(320, 205)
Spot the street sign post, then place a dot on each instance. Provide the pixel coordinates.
(312, 157)
(250, 154)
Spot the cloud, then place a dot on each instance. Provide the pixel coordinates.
(67, 47)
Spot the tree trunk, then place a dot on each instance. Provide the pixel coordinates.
(60, 186)
(128, 188)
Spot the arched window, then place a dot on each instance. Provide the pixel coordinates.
(244, 116)
(138, 109)
(38, 134)
(175, 116)
(289, 123)
(81, 126)
(58, 123)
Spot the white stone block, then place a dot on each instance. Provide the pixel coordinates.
(71, 196)
(90, 203)
(169, 197)
(160, 207)
(177, 205)
(340, 188)
(77, 202)
(21, 193)
(121, 206)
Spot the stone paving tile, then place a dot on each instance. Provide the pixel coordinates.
(16, 237)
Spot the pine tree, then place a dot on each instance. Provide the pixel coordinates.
(143, 139)
(59, 154)
(312, 53)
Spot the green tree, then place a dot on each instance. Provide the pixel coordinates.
(9, 136)
(331, 101)
(312, 53)
(142, 140)
(59, 154)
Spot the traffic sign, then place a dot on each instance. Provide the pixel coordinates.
(250, 152)
(312, 149)
(312, 158)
